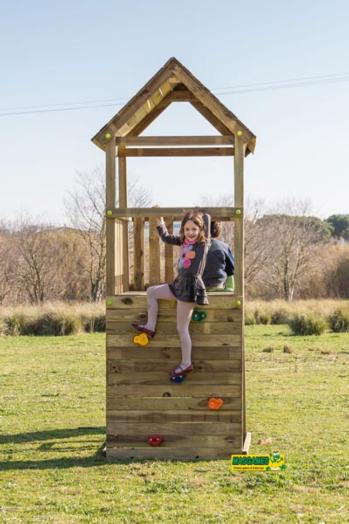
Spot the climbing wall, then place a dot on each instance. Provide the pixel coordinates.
(148, 416)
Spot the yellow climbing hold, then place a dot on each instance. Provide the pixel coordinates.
(109, 212)
(141, 340)
(107, 136)
(109, 302)
(238, 303)
(238, 212)
(239, 133)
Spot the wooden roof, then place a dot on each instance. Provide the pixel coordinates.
(173, 82)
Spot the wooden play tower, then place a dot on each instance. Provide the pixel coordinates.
(141, 401)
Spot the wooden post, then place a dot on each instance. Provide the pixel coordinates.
(154, 253)
(169, 253)
(123, 204)
(239, 254)
(110, 225)
(138, 254)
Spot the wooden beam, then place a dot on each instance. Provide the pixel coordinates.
(169, 253)
(138, 253)
(141, 126)
(217, 213)
(123, 204)
(206, 113)
(240, 147)
(181, 96)
(175, 140)
(154, 253)
(177, 151)
(110, 224)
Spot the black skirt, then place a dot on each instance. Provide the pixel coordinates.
(189, 288)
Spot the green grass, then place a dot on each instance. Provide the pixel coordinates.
(52, 418)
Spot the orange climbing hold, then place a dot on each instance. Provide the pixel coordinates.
(215, 403)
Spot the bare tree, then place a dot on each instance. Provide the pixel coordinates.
(290, 239)
(35, 255)
(86, 212)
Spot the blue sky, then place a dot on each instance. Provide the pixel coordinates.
(60, 53)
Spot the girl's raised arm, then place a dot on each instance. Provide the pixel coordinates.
(175, 240)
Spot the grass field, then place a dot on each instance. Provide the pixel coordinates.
(52, 430)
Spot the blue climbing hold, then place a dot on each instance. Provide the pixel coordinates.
(177, 379)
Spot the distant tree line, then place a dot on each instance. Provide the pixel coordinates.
(288, 254)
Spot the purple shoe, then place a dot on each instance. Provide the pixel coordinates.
(142, 329)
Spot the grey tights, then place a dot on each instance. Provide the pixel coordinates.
(184, 312)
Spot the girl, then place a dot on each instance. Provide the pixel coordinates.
(188, 288)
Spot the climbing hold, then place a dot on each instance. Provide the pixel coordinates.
(198, 315)
(109, 302)
(239, 133)
(177, 379)
(238, 212)
(186, 263)
(107, 136)
(141, 339)
(238, 303)
(155, 440)
(109, 213)
(215, 403)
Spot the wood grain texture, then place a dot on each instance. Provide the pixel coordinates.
(154, 253)
(138, 257)
(139, 300)
(175, 140)
(169, 404)
(110, 226)
(169, 453)
(168, 354)
(169, 253)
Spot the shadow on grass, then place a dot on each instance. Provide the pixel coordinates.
(51, 434)
(97, 459)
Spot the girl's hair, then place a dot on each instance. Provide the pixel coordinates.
(197, 218)
(216, 229)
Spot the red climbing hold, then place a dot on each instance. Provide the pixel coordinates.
(155, 440)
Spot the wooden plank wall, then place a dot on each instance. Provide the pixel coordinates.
(141, 400)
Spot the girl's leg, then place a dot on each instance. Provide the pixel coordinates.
(154, 293)
(184, 312)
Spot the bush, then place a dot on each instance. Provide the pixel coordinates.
(339, 321)
(307, 324)
(262, 317)
(57, 323)
(13, 324)
(94, 323)
(250, 319)
(280, 316)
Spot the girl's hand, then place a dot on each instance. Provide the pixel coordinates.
(159, 220)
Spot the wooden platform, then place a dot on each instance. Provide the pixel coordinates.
(141, 400)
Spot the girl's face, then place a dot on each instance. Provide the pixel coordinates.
(191, 231)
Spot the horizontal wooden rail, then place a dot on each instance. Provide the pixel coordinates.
(221, 213)
(176, 151)
(175, 140)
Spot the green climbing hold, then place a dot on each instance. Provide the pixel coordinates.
(198, 315)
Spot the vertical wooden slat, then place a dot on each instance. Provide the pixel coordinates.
(118, 256)
(169, 253)
(138, 254)
(110, 229)
(239, 254)
(154, 253)
(123, 204)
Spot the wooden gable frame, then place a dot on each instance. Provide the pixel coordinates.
(173, 82)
